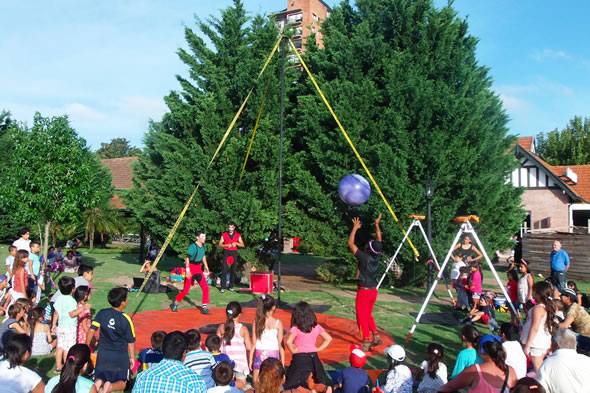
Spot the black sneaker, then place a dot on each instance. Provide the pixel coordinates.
(204, 311)
(174, 307)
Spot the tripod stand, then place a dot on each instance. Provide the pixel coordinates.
(417, 223)
(466, 228)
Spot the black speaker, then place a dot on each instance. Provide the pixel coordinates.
(153, 284)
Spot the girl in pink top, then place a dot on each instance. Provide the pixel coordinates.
(235, 342)
(84, 318)
(306, 369)
(475, 278)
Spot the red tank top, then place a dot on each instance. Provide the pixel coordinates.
(233, 239)
(16, 283)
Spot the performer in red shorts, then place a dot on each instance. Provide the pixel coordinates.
(366, 274)
(230, 241)
(196, 270)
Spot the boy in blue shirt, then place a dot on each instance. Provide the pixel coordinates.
(116, 344)
(354, 379)
(151, 356)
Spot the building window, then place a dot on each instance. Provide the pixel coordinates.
(328, 14)
(281, 24)
(315, 17)
(295, 18)
(313, 29)
(298, 44)
(297, 31)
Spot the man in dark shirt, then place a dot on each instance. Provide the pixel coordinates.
(366, 274)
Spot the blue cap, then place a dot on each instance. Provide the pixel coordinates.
(488, 338)
(3, 278)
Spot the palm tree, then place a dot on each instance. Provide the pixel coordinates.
(103, 219)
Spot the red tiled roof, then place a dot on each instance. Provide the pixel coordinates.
(121, 171)
(526, 142)
(122, 177)
(582, 187)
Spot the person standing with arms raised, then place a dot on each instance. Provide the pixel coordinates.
(196, 269)
(230, 241)
(366, 274)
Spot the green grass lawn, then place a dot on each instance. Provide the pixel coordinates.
(113, 268)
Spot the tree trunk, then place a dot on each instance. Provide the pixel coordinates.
(91, 237)
(46, 242)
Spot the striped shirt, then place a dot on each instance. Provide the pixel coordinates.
(201, 362)
(170, 376)
(236, 350)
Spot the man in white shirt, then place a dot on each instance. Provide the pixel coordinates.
(565, 371)
(23, 242)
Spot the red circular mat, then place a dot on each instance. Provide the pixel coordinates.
(343, 331)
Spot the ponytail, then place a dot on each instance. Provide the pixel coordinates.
(265, 304)
(434, 355)
(232, 311)
(78, 357)
(496, 352)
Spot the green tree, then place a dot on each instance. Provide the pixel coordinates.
(102, 218)
(404, 80)
(117, 148)
(570, 146)
(53, 177)
(179, 147)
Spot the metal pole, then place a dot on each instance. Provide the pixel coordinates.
(429, 236)
(279, 232)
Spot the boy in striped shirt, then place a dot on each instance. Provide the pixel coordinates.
(198, 360)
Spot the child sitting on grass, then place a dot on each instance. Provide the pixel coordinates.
(485, 313)
(151, 356)
(223, 374)
(213, 344)
(399, 375)
(43, 342)
(201, 362)
(433, 370)
(354, 379)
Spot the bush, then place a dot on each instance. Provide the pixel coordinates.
(332, 271)
(304, 248)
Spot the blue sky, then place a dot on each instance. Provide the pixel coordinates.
(107, 64)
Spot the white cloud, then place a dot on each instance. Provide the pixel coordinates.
(82, 112)
(142, 106)
(514, 104)
(550, 54)
(540, 86)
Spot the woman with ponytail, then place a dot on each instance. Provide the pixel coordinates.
(267, 336)
(492, 376)
(538, 328)
(71, 380)
(235, 342)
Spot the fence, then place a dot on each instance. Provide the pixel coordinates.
(537, 247)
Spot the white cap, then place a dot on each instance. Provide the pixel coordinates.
(396, 352)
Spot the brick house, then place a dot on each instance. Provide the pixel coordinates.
(555, 197)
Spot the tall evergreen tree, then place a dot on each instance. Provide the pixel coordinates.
(178, 148)
(570, 146)
(117, 148)
(404, 80)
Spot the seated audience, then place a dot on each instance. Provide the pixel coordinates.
(468, 356)
(201, 362)
(223, 374)
(434, 371)
(149, 357)
(14, 377)
(271, 378)
(399, 376)
(565, 371)
(528, 385)
(11, 325)
(170, 375)
(577, 318)
(71, 380)
(354, 379)
(492, 375)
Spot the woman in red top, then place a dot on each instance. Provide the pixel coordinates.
(20, 275)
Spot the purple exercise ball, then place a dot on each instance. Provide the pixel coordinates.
(354, 189)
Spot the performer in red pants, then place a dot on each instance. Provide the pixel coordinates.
(196, 270)
(366, 274)
(230, 241)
